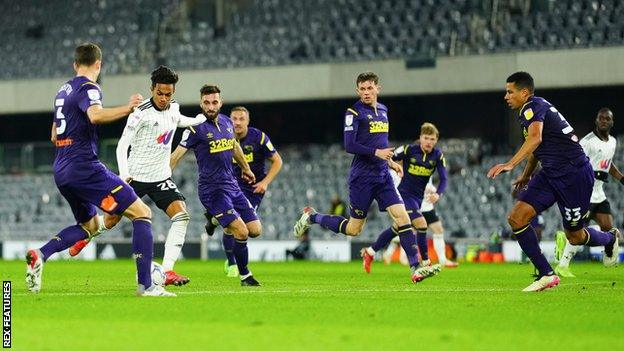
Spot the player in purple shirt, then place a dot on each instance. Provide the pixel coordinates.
(566, 178)
(419, 161)
(257, 148)
(84, 181)
(214, 145)
(366, 136)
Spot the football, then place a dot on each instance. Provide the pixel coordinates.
(158, 274)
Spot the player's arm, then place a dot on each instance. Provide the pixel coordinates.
(239, 156)
(185, 122)
(176, 156)
(132, 125)
(276, 166)
(532, 141)
(53, 133)
(434, 196)
(524, 178)
(615, 173)
(99, 115)
(353, 147)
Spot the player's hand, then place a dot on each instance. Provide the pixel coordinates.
(433, 197)
(396, 167)
(520, 183)
(134, 101)
(260, 187)
(248, 176)
(498, 169)
(385, 154)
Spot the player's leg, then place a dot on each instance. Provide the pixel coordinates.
(538, 197)
(420, 225)
(85, 214)
(436, 227)
(573, 196)
(106, 222)
(360, 198)
(568, 250)
(179, 216)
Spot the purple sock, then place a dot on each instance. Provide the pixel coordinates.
(228, 247)
(384, 239)
(242, 256)
(66, 238)
(529, 244)
(408, 243)
(143, 248)
(421, 238)
(336, 224)
(598, 238)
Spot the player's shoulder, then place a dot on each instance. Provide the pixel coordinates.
(382, 107)
(255, 133)
(591, 136)
(144, 106)
(536, 105)
(357, 109)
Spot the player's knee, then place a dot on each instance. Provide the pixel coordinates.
(91, 226)
(255, 230)
(239, 230)
(516, 220)
(353, 230)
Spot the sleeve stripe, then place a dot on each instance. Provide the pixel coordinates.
(83, 84)
(193, 130)
(262, 139)
(352, 111)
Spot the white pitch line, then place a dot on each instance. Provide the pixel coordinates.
(261, 290)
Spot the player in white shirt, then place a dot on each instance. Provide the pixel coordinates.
(600, 148)
(435, 225)
(149, 134)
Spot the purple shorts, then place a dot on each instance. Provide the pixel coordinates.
(362, 192)
(254, 199)
(412, 205)
(226, 206)
(571, 192)
(87, 186)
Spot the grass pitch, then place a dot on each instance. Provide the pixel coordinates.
(320, 306)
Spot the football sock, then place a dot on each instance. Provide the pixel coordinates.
(568, 252)
(440, 247)
(63, 240)
(336, 224)
(143, 248)
(242, 256)
(408, 243)
(384, 239)
(598, 238)
(175, 239)
(528, 242)
(421, 239)
(228, 246)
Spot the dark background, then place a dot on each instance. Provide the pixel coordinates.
(483, 115)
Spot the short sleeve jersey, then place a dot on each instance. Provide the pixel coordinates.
(213, 144)
(559, 152)
(76, 136)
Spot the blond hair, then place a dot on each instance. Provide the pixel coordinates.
(429, 129)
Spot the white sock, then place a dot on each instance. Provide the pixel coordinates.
(568, 253)
(175, 239)
(440, 247)
(370, 251)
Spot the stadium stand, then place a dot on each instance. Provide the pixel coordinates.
(280, 32)
(311, 175)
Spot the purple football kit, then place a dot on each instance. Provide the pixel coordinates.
(566, 176)
(85, 182)
(418, 166)
(365, 130)
(257, 148)
(80, 177)
(219, 192)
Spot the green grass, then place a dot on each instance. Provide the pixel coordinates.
(311, 305)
